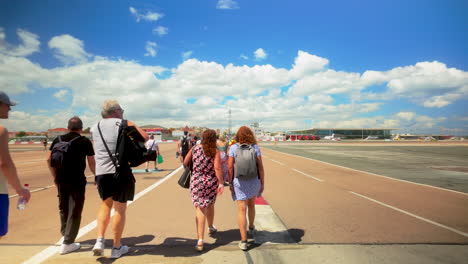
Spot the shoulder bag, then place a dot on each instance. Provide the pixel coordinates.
(122, 173)
(184, 180)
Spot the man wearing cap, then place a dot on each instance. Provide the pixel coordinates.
(7, 168)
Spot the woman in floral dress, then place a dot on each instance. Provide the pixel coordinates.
(206, 182)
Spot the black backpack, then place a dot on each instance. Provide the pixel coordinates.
(59, 157)
(185, 145)
(131, 146)
(130, 150)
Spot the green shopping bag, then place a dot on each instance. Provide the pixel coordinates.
(160, 159)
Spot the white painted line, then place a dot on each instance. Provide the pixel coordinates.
(52, 250)
(305, 174)
(390, 178)
(31, 161)
(280, 163)
(43, 188)
(413, 215)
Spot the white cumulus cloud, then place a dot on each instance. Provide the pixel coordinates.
(406, 115)
(187, 54)
(68, 49)
(29, 44)
(306, 64)
(227, 4)
(150, 48)
(280, 98)
(260, 54)
(430, 84)
(61, 95)
(149, 16)
(160, 30)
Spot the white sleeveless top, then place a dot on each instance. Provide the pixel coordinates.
(110, 131)
(3, 184)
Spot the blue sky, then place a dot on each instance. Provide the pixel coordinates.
(287, 64)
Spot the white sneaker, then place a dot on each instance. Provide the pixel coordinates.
(117, 253)
(67, 248)
(98, 249)
(243, 245)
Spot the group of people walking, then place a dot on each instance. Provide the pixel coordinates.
(210, 174)
(207, 182)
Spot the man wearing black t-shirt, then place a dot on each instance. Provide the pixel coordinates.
(71, 182)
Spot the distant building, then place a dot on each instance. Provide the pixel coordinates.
(177, 133)
(158, 132)
(259, 132)
(346, 133)
(55, 132)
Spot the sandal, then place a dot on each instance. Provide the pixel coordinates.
(199, 246)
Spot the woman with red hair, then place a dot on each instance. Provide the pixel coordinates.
(206, 182)
(245, 189)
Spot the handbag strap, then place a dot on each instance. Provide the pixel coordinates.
(112, 157)
(154, 141)
(191, 160)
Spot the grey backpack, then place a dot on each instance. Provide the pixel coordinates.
(245, 162)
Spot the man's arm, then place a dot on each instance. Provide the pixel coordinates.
(141, 131)
(92, 164)
(8, 167)
(51, 169)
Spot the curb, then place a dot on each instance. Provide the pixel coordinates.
(270, 228)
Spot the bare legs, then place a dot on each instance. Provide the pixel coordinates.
(210, 212)
(242, 206)
(202, 215)
(118, 222)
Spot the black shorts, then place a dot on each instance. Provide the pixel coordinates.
(153, 157)
(110, 187)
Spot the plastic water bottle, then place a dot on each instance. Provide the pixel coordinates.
(21, 201)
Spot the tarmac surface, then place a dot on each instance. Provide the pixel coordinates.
(436, 164)
(312, 212)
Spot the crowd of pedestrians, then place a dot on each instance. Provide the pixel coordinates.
(213, 161)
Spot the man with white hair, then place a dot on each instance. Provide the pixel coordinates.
(114, 192)
(7, 168)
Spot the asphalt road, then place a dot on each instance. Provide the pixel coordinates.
(320, 204)
(437, 164)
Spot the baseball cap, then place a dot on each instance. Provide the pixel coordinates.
(6, 100)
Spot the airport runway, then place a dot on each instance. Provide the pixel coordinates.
(328, 210)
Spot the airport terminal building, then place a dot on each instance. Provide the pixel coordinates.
(346, 133)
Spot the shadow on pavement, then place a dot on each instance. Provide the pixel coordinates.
(185, 247)
(296, 234)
